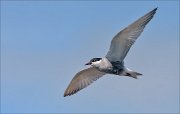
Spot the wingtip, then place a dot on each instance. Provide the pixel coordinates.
(66, 94)
(152, 12)
(155, 9)
(69, 93)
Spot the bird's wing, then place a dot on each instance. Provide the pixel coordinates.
(82, 79)
(122, 42)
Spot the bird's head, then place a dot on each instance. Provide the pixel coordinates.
(94, 62)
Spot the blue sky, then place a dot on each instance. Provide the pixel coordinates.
(45, 43)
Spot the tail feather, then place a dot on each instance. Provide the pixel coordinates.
(133, 74)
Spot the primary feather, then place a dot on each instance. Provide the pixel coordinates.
(82, 79)
(123, 41)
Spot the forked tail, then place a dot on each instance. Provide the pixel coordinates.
(132, 74)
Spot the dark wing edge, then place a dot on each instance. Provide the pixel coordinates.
(82, 79)
(129, 35)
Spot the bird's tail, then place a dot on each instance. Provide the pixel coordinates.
(132, 74)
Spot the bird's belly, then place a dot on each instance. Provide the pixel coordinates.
(113, 71)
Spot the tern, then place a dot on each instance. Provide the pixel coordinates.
(113, 62)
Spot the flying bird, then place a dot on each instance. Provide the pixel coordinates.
(112, 63)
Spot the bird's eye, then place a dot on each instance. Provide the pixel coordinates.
(93, 60)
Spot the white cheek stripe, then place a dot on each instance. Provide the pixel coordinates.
(96, 62)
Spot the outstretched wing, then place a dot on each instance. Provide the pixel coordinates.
(82, 79)
(122, 42)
